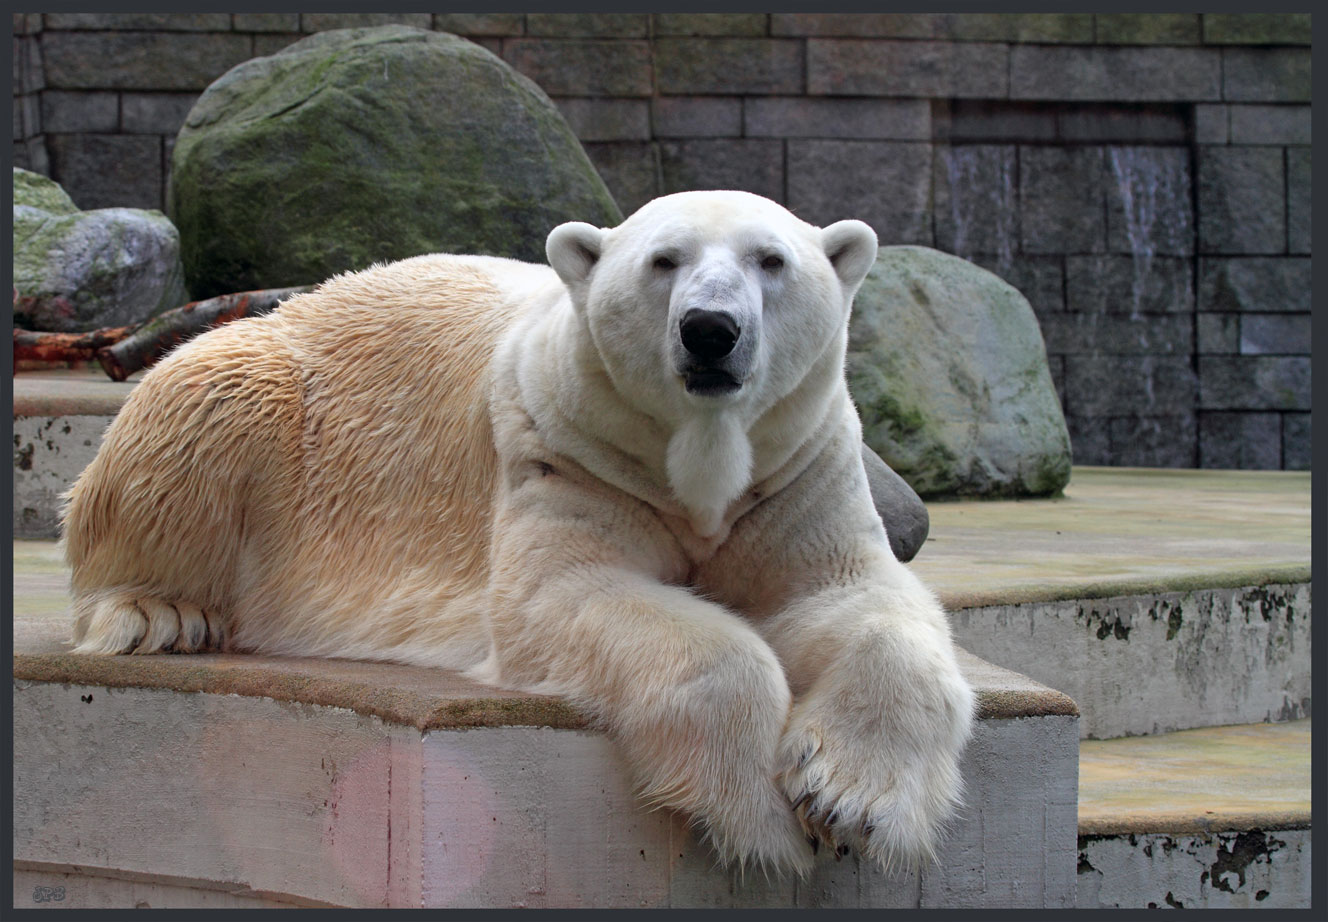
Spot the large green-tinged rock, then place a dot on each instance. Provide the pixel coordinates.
(80, 270)
(947, 366)
(364, 145)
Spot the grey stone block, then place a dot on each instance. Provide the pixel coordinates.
(1141, 385)
(140, 60)
(17, 111)
(1255, 284)
(976, 200)
(986, 120)
(1154, 441)
(1040, 279)
(583, 67)
(1256, 28)
(588, 25)
(1149, 201)
(1126, 285)
(851, 67)
(108, 171)
(272, 42)
(1254, 382)
(1072, 334)
(629, 168)
(1241, 200)
(1270, 124)
(1159, 124)
(27, 110)
(804, 117)
(1296, 446)
(1266, 74)
(1117, 74)
(31, 155)
(607, 119)
(747, 164)
(1061, 202)
(1090, 437)
(696, 116)
(1275, 334)
(885, 183)
(1019, 27)
(1240, 441)
(29, 70)
(66, 112)
(1218, 334)
(266, 22)
(1212, 123)
(480, 24)
(186, 22)
(1299, 200)
(323, 22)
(1147, 28)
(711, 23)
(729, 65)
(861, 25)
(155, 113)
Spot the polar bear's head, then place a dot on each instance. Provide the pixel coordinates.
(709, 299)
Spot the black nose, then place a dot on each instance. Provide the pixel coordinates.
(708, 335)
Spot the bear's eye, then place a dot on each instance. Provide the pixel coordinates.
(772, 262)
(664, 264)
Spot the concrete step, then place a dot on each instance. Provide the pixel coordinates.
(1158, 599)
(215, 780)
(1199, 819)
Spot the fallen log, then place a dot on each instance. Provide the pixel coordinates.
(152, 339)
(39, 346)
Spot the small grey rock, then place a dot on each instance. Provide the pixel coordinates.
(901, 510)
(76, 271)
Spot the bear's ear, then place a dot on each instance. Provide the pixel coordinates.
(851, 249)
(573, 249)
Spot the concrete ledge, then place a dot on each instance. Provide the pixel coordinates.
(425, 699)
(1153, 663)
(292, 802)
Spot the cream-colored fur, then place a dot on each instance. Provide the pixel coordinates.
(480, 464)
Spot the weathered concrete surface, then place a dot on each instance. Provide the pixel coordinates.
(1211, 818)
(1122, 532)
(1197, 781)
(1153, 663)
(1262, 868)
(59, 419)
(208, 794)
(49, 454)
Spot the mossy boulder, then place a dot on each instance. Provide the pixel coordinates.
(949, 372)
(358, 146)
(81, 270)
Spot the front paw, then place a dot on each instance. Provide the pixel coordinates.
(878, 771)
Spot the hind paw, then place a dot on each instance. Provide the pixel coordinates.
(133, 623)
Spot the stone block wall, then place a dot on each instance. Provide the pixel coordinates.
(1143, 178)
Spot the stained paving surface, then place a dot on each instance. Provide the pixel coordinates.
(1215, 778)
(1116, 531)
(1122, 531)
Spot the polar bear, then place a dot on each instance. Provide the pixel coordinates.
(632, 480)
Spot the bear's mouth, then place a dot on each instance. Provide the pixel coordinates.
(710, 382)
